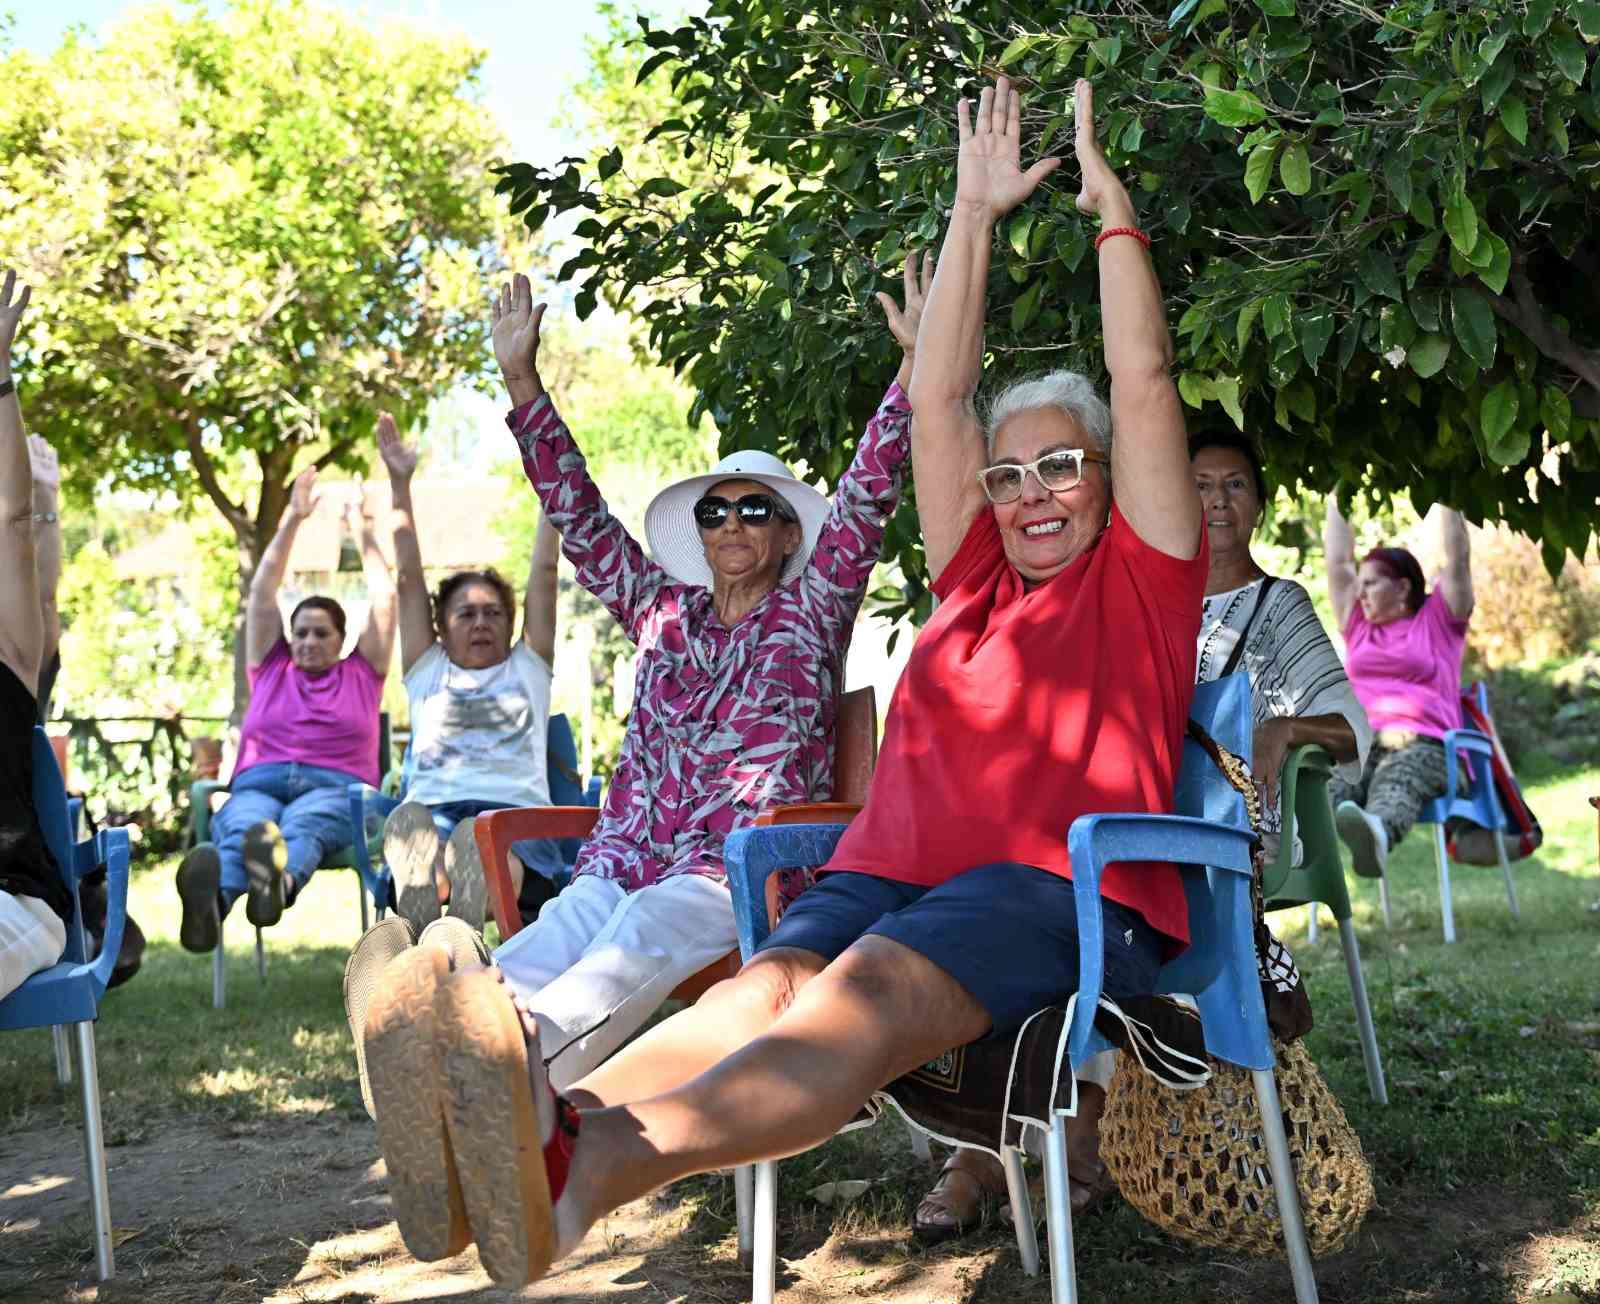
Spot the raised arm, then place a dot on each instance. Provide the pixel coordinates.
(609, 562)
(21, 632)
(376, 644)
(1339, 552)
(47, 541)
(411, 585)
(1456, 580)
(946, 441)
(1150, 476)
(263, 624)
(539, 602)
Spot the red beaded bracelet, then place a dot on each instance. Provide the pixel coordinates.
(1134, 231)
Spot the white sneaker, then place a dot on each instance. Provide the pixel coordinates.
(1366, 837)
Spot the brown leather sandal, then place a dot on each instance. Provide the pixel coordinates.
(953, 1208)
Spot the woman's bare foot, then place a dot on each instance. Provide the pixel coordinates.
(954, 1206)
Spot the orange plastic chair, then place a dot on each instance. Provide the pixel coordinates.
(855, 753)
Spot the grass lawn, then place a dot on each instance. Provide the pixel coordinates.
(1487, 1160)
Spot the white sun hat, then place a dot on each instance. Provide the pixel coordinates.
(675, 538)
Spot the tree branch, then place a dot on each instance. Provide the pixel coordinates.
(1524, 311)
(206, 469)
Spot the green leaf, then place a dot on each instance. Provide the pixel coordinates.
(1498, 412)
(1017, 233)
(1514, 118)
(1569, 55)
(664, 187)
(1473, 320)
(1247, 320)
(1026, 306)
(1376, 270)
(1422, 256)
(1496, 82)
(1498, 271)
(1397, 176)
(1295, 169)
(1194, 388)
(1276, 8)
(1226, 391)
(1258, 170)
(1555, 412)
(1460, 217)
(1016, 50)
(1428, 354)
(1538, 17)
(1275, 315)
(1234, 108)
(609, 164)
(1316, 329)
(1587, 14)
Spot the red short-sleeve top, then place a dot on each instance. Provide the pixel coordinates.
(1020, 710)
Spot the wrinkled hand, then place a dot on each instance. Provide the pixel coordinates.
(1099, 192)
(399, 457)
(1269, 749)
(516, 330)
(11, 309)
(46, 466)
(989, 171)
(905, 322)
(304, 494)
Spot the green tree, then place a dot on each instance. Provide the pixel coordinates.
(1374, 224)
(247, 231)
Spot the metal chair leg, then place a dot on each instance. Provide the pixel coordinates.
(764, 1276)
(1312, 929)
(744, 1193)
(920, 1150)
(1446, 908)
(1294, 1230)
(219, 974)
(94, 1149)
(1058, 1214)
(261, 959)
(361, 893)
(1021, 1210)
(1383, 895)
(1505, 868)
(1358, 993)
(63, 1047)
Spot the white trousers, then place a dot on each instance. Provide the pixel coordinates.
(32, 937)
(599, 961)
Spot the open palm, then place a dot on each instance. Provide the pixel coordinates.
(304, 494)
(399, 457)
(988, 163)
(516, 329)
(11, 309)
(905, 322)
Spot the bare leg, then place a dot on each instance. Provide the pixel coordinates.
(730, 1015)
(875, 1013)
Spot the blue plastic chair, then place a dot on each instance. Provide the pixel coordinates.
(1210, 838)
(69, 991)
(1480, 805)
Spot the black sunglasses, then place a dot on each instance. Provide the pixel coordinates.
(753, 509)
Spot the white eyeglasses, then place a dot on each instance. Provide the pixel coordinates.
(1057, 470)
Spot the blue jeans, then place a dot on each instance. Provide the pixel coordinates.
(541, 855)
(309, 804)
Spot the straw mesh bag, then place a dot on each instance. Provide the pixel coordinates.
(1195, 1163)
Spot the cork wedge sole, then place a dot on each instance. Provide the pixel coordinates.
(402, 1061)
(493, 1121)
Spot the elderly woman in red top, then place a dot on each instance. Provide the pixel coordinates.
(1056, 672)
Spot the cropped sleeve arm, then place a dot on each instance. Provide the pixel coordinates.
(851, 537)
(609, 562)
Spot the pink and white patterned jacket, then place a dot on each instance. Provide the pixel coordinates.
(725, 722)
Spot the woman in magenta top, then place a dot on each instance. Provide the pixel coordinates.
(310, 731)
(1403, 649)
(1054, 679)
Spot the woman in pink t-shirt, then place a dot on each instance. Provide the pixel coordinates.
(1403, 649)
(310, 731)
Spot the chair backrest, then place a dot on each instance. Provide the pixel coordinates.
(50, 802)
(855, 744)
(1222, 709)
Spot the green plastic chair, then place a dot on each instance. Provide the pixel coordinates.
(200, 794)
(1304, 808)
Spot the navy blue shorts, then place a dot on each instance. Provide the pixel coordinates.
(1008, 933)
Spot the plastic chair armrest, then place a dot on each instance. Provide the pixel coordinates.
(496, 830)
(817, 812)
(200, 793)
(109, 847)
(366, 800)
(1313, 760)
(752, 855)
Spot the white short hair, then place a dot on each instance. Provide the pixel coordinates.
(1066, 391)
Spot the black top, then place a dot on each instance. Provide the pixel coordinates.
(47, 684)
(26, 866)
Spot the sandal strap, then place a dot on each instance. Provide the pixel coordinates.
(558, 1149)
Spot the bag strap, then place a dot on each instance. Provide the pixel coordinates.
(1267, 581)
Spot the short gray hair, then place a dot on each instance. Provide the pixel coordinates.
(1066, 391)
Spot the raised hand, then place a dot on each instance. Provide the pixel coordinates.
(516, 330)
(904, 322)
(989, 171)
(304, 494)
(11, 308)
(46, 466)
(399, 457)
(1100, 191)
(357, 512)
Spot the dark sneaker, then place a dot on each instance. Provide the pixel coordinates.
(380, 944)
(199, 886)
(411, 850)
(266, 869)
